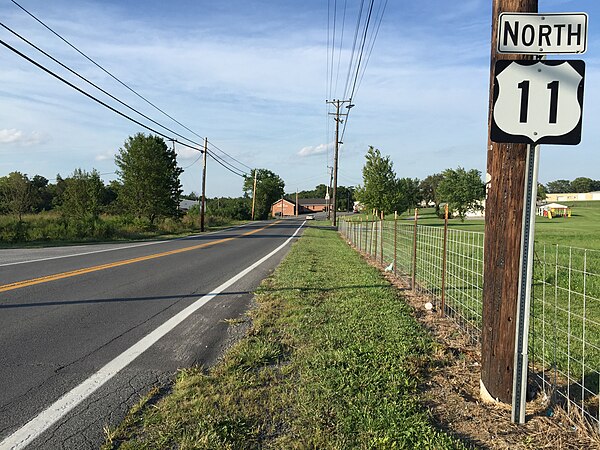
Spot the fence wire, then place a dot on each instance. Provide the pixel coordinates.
(447, 267)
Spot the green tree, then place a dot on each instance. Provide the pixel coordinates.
(269, 189)
(381, 190)
(345, 198)
(42, 194)
(318, 192)
(541, 192)
(17, 196)
(582, 184)
(558, 186)
(83, 196)
(56, 190)
(463, 190)
(428, 188)
(409, 187)
(149, 174)
(231, 208)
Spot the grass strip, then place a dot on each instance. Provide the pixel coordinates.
(332, 361)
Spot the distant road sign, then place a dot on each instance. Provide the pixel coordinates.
(538, 102)
(541, 34)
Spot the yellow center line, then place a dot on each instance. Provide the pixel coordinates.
(72, 273)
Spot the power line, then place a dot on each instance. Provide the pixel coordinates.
(64, 66)
(225, 153)
(362, 49)
(90, 96)
(195, 161)
(124, 85)
(243, 175)
(103, 69)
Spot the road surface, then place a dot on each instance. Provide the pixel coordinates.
(86, 331)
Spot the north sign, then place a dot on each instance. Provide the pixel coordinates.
(538, 102)
(542, 34)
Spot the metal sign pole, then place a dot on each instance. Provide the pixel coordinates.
(525, 276)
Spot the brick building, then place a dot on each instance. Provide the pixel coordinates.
(306, 206)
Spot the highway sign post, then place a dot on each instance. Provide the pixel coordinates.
(532, 102)
(538, 102)
(542, 34)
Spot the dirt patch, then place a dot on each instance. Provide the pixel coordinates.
(451, 393)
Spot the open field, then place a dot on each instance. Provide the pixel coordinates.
(332, 360)
(581, 230)
(565, 326)
(50, 229)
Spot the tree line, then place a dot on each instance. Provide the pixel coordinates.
(382, 190)
(145, 197)
(580, 184)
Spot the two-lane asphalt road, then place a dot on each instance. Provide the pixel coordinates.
(85, 331)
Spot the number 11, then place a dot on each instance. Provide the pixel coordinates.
(553, 87)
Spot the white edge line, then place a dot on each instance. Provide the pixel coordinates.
(44, 420)
(143, 244)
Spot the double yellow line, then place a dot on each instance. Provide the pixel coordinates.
(73, 273)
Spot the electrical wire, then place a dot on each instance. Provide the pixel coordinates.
(195, 161)
(124, 85)
(225, 153)
(243, 175)
(90, 96)
(362, 49)
(64, 66)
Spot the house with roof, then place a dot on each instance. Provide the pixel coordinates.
(284, 207)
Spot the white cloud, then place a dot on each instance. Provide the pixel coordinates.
(108, 155)
(14, 136)
(187, 153)
(315, 149)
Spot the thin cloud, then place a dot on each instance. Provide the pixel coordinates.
(315, 150)
(19, 137)
(106, 156)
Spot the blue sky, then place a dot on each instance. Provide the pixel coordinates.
(252, 76)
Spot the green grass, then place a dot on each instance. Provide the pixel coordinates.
(50, 229)
(581, 230)
(565, 321)
(332, 361)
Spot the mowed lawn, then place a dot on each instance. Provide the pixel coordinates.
(332, 360)
(581, 230)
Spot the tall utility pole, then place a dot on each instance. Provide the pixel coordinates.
(297, 207)
(203, 203)
(328, 195)
(506, 165)
(338, 105)
(254, 193)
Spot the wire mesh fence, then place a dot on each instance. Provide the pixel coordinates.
(446, 265)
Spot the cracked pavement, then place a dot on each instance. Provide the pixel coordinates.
(55, 335)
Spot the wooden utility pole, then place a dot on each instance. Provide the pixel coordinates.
(297, 207)
(338, 105)
(503, 223)
(254, 194)
(327, 196)
(203, 203)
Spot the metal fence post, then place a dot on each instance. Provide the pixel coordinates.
(395, 240)
(444, 258)
(381, 239)
(375, 242)
(414, 271)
